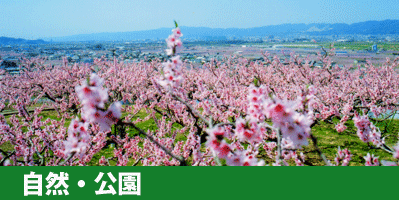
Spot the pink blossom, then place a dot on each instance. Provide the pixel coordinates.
(366, 131)
(102, 160)
(215, 141)
(340, 127)
(172, 72)
(78, 138)
(243, 158)
(91, 93)
(93, 98)
(371, 160)
(343, 157)
(248, 130)
(177, 33)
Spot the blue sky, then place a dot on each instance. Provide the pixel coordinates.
(32, 19)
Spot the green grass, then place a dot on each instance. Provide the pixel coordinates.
(328, 141)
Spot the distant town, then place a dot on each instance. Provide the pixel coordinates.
(307, 42)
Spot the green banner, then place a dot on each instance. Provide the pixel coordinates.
(198, 182)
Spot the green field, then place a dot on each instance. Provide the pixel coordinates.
(358, 46)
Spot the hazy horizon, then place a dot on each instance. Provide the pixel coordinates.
(46, 19)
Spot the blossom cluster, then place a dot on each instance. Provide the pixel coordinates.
(340, 127)
(217, 143)
(4, 127)
(172, 69)
(78, 138)
(343, 157)
(174, 42)
(193, 144)
(93, 98)
(244, 158)
(256, 99)
(366, 130)
(294, 126)
(371, 160)
(287, 155)
(234, 157)
(249, 130)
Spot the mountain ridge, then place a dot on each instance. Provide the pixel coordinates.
(372, 27)
(10, 40)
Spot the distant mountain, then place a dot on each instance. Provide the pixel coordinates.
(363, 28)
(8, 41)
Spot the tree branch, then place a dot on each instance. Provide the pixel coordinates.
(314, 140)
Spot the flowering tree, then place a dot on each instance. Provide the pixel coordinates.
(232, 112)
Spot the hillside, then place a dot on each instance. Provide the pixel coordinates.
(362, 28)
